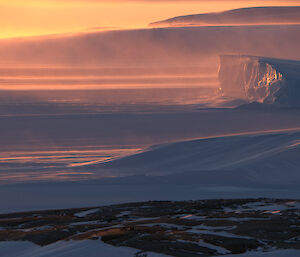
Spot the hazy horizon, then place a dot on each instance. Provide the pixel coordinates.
(36, 17)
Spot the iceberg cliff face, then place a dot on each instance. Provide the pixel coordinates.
(259, 79)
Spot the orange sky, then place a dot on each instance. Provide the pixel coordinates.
(39, 17)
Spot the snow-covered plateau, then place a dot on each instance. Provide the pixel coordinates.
(242, 16)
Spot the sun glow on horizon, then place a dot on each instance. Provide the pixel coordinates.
(36, 17)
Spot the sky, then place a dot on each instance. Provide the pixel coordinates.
(19, 18)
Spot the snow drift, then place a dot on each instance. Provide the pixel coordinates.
(263, 160)
(245, 166)
(243, 16)
(260, 79)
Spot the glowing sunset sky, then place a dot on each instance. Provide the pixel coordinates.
(39, 17)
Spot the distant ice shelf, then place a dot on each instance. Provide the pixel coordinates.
(241, 16)
(261, 79)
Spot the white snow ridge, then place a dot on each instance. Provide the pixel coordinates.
(261, 79)
(256, 160)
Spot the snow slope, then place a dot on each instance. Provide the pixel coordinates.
(91, 248)
(261, 79)
(237, 166)
(253, 15)
(198, 169)
(258, 160)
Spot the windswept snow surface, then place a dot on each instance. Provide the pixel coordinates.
(257, 160)
(237, 166)
(252, 15)
(261, 79)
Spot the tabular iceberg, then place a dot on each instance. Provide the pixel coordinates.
(261, 79)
